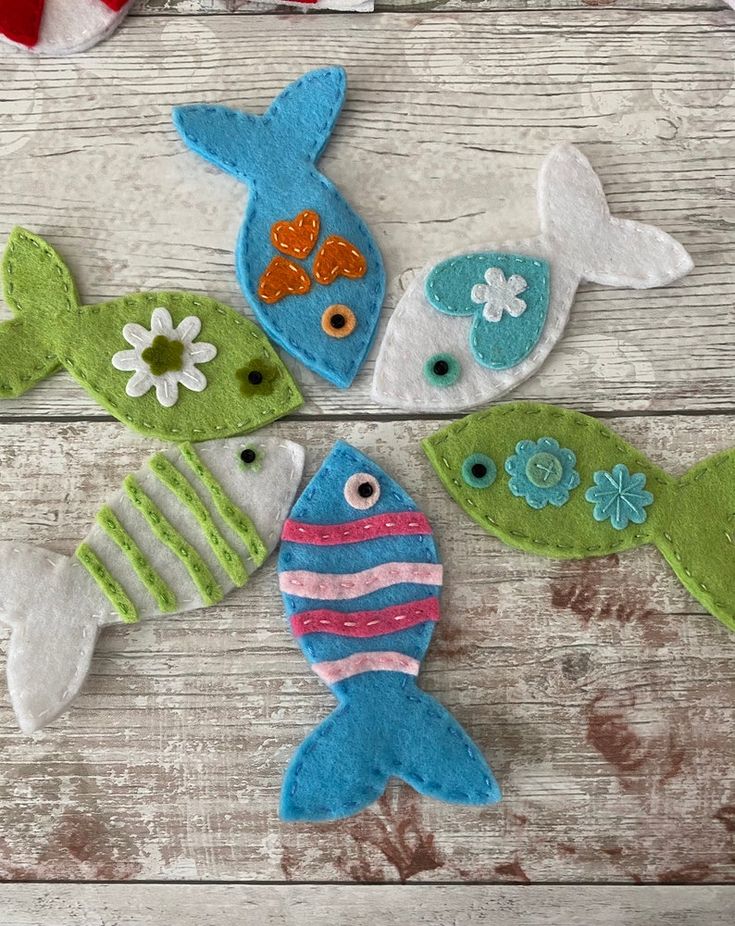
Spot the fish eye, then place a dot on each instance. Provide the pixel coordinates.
(479, 471)
(338, 321)
(250, 458)
(362, 491)
(258, 378)
(442, 370)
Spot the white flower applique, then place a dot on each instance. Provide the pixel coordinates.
(498, 294)
(164, 357)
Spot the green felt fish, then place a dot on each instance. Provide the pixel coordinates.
(558, 483)
(172, 365)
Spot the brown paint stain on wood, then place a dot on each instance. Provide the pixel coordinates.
(393, 833)
(726, 816)
(694, 873)
(585, 596)
(566, 848)
(512, 871)
(613, 736)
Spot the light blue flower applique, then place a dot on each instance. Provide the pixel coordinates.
(619, 496)
(542, 472)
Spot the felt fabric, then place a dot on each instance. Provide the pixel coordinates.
(505, 328)
(579, 241)
(60, 27)
(360, 576)
(276, 156)
(613, 497)
(128, 569)
(170, 365)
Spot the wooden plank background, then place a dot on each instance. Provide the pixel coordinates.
(601, 692)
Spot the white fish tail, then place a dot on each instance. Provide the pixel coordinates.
(576, 220)
(50, 645)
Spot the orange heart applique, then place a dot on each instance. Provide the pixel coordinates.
(296, 238)
(337, 257)
(282, 278)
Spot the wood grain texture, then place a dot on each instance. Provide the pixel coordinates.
(279, 905)
(443, 133)
(600, 692)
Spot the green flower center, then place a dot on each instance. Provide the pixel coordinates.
(544, 470)
(163, 356)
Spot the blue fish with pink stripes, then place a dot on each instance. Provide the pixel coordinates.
(360, 578)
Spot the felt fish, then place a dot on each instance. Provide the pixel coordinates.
(179, 535)
(474, 326)
(60, 27)
(558, 483)
(360, 578)
(171, 365)
(305, 260)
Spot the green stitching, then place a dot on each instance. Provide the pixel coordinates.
(112, 589)
(180, 486)
(200, 573)
(237, 519)
(154, 584)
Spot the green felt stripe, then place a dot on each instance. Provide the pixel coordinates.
(180, 486)
(110, 586)
(200, 573)
(154, 584)
(237, 519)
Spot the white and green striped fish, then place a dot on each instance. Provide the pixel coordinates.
(180, 534)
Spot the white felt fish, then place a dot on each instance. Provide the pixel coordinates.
(180, 534)
(476, 325)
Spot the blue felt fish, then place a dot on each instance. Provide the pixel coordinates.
(360, 577)
(305, 260)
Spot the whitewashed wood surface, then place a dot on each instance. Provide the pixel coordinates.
(601, 692)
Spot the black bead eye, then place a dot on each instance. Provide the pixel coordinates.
(250, 458)
(362, 491)
(479, 471)
(442, 370)
(255, 377)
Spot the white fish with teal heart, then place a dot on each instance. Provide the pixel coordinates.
(183, 532)
(474, 326)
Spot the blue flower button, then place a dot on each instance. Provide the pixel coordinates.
(542, 472)
(619, 496)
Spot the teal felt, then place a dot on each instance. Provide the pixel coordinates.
(499, 344)
(276, 155)
(384, 726)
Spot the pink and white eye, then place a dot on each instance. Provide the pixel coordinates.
(362, 491)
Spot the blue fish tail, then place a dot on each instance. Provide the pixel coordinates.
(300, 120)
(385, 726)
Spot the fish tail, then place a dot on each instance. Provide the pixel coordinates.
(384, 727)
(38, 286)
(602, 248)
(50, 648)
(697, 538)
(297, 124)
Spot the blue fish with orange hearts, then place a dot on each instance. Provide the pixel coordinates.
(305, 260)
(360, 578)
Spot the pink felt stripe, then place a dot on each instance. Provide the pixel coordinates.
(379, 525)
(366, 623)
(338, 669)
(343, 586)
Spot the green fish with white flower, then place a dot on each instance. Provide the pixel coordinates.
(172, 365)
(558, 483)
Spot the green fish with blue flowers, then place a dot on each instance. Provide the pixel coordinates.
(558, 483)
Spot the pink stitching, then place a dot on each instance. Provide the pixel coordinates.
(365, 623)
(339, 669)
(343, 586)
(353, 532)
